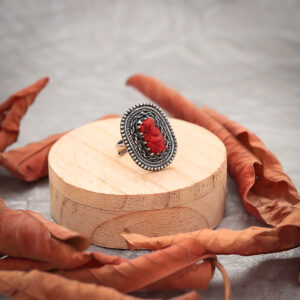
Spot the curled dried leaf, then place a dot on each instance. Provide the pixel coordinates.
(93, 260)
(27, 234)
(31, 161)
(195, 277)
(175, 268)
(23, 264)
(250, 241)
(272, 193)
(22, 285)
(14, 108)
(172, 268)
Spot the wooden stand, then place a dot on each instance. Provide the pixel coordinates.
(98, 192)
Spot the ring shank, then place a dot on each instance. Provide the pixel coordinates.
(121, 147)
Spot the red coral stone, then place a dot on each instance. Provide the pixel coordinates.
(152, 135)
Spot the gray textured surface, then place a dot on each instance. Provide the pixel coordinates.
(239, 57)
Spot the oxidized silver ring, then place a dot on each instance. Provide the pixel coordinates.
(147, 136)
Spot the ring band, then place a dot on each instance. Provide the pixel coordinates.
(147, 136)
(121, 147)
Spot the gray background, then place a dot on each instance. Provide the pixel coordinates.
(239, 57)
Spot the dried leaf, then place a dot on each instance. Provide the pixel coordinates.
(27, 234)
(250, 241)
(92, 260)
(266, 190)
(14, 108)
(99, 259)
(171, 268)
(195, 277)
(43, 286)
(30, 163)
(23, 286)
(103, 269)
(272, 193)
(23, 264)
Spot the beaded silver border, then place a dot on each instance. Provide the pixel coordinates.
(133, 140)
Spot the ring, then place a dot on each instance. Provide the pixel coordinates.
(147, 136)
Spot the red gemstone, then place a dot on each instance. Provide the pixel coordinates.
(152, 135)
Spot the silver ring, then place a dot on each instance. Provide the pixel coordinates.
(147, 136)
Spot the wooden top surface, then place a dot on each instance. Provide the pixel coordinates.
(86, 158)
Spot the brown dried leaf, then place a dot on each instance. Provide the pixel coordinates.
(23, 286)
(43, 286)
(14, 108)
(272, 194)
(103, 269)
(195, 277)
(99, 259)
(250, 241)
(23, 264)
(27, 234)
(93, 260)
(171, 268)
(30, 162)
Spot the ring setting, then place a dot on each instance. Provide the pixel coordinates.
(147, 136)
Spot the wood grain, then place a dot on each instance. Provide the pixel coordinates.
(98, 192)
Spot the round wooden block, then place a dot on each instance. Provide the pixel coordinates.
(102, 194)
